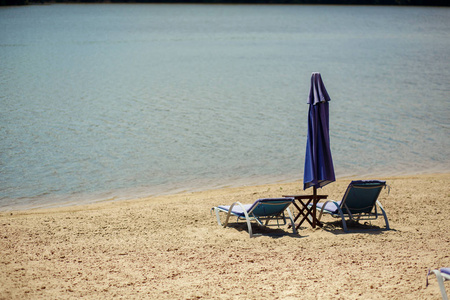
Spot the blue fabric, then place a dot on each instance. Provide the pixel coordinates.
(445, 270)
(319, 170)
(261, 209)
(237, 210)
(329, 206)
(318, 93)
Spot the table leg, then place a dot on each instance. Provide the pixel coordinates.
(305, 211)
(314, 215)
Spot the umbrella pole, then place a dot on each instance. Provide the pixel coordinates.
(315, 200)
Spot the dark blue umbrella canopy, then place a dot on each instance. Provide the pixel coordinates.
(319, 170)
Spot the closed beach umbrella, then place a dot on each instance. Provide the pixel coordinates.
(319, 170)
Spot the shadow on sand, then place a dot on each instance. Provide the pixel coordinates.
(271, 231)
(353, 227)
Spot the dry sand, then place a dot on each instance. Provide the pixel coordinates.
(172, 248)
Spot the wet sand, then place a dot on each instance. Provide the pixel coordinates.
(171, 247)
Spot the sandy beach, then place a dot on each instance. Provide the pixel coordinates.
(171, 247)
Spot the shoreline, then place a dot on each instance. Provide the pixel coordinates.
(179, 188)
(170, 247)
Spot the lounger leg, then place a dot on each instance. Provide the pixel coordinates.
(321, 211)
(277, 217)
(384, 215)
(217, 216)
(249, 225)
(344, 223)
(291, 217)
(440, 280)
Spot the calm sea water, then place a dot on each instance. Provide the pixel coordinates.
(121, 101)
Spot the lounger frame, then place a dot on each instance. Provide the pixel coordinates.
(442, 275)
(355, 210)
(254, 213)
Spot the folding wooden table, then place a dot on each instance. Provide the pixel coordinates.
(301, 202)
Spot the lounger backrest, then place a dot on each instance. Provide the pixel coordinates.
(361, 196)
(270, 206)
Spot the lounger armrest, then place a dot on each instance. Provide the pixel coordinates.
(324, 205)
(249, 225)
(441, 277)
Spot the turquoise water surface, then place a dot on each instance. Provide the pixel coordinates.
(121, 101)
